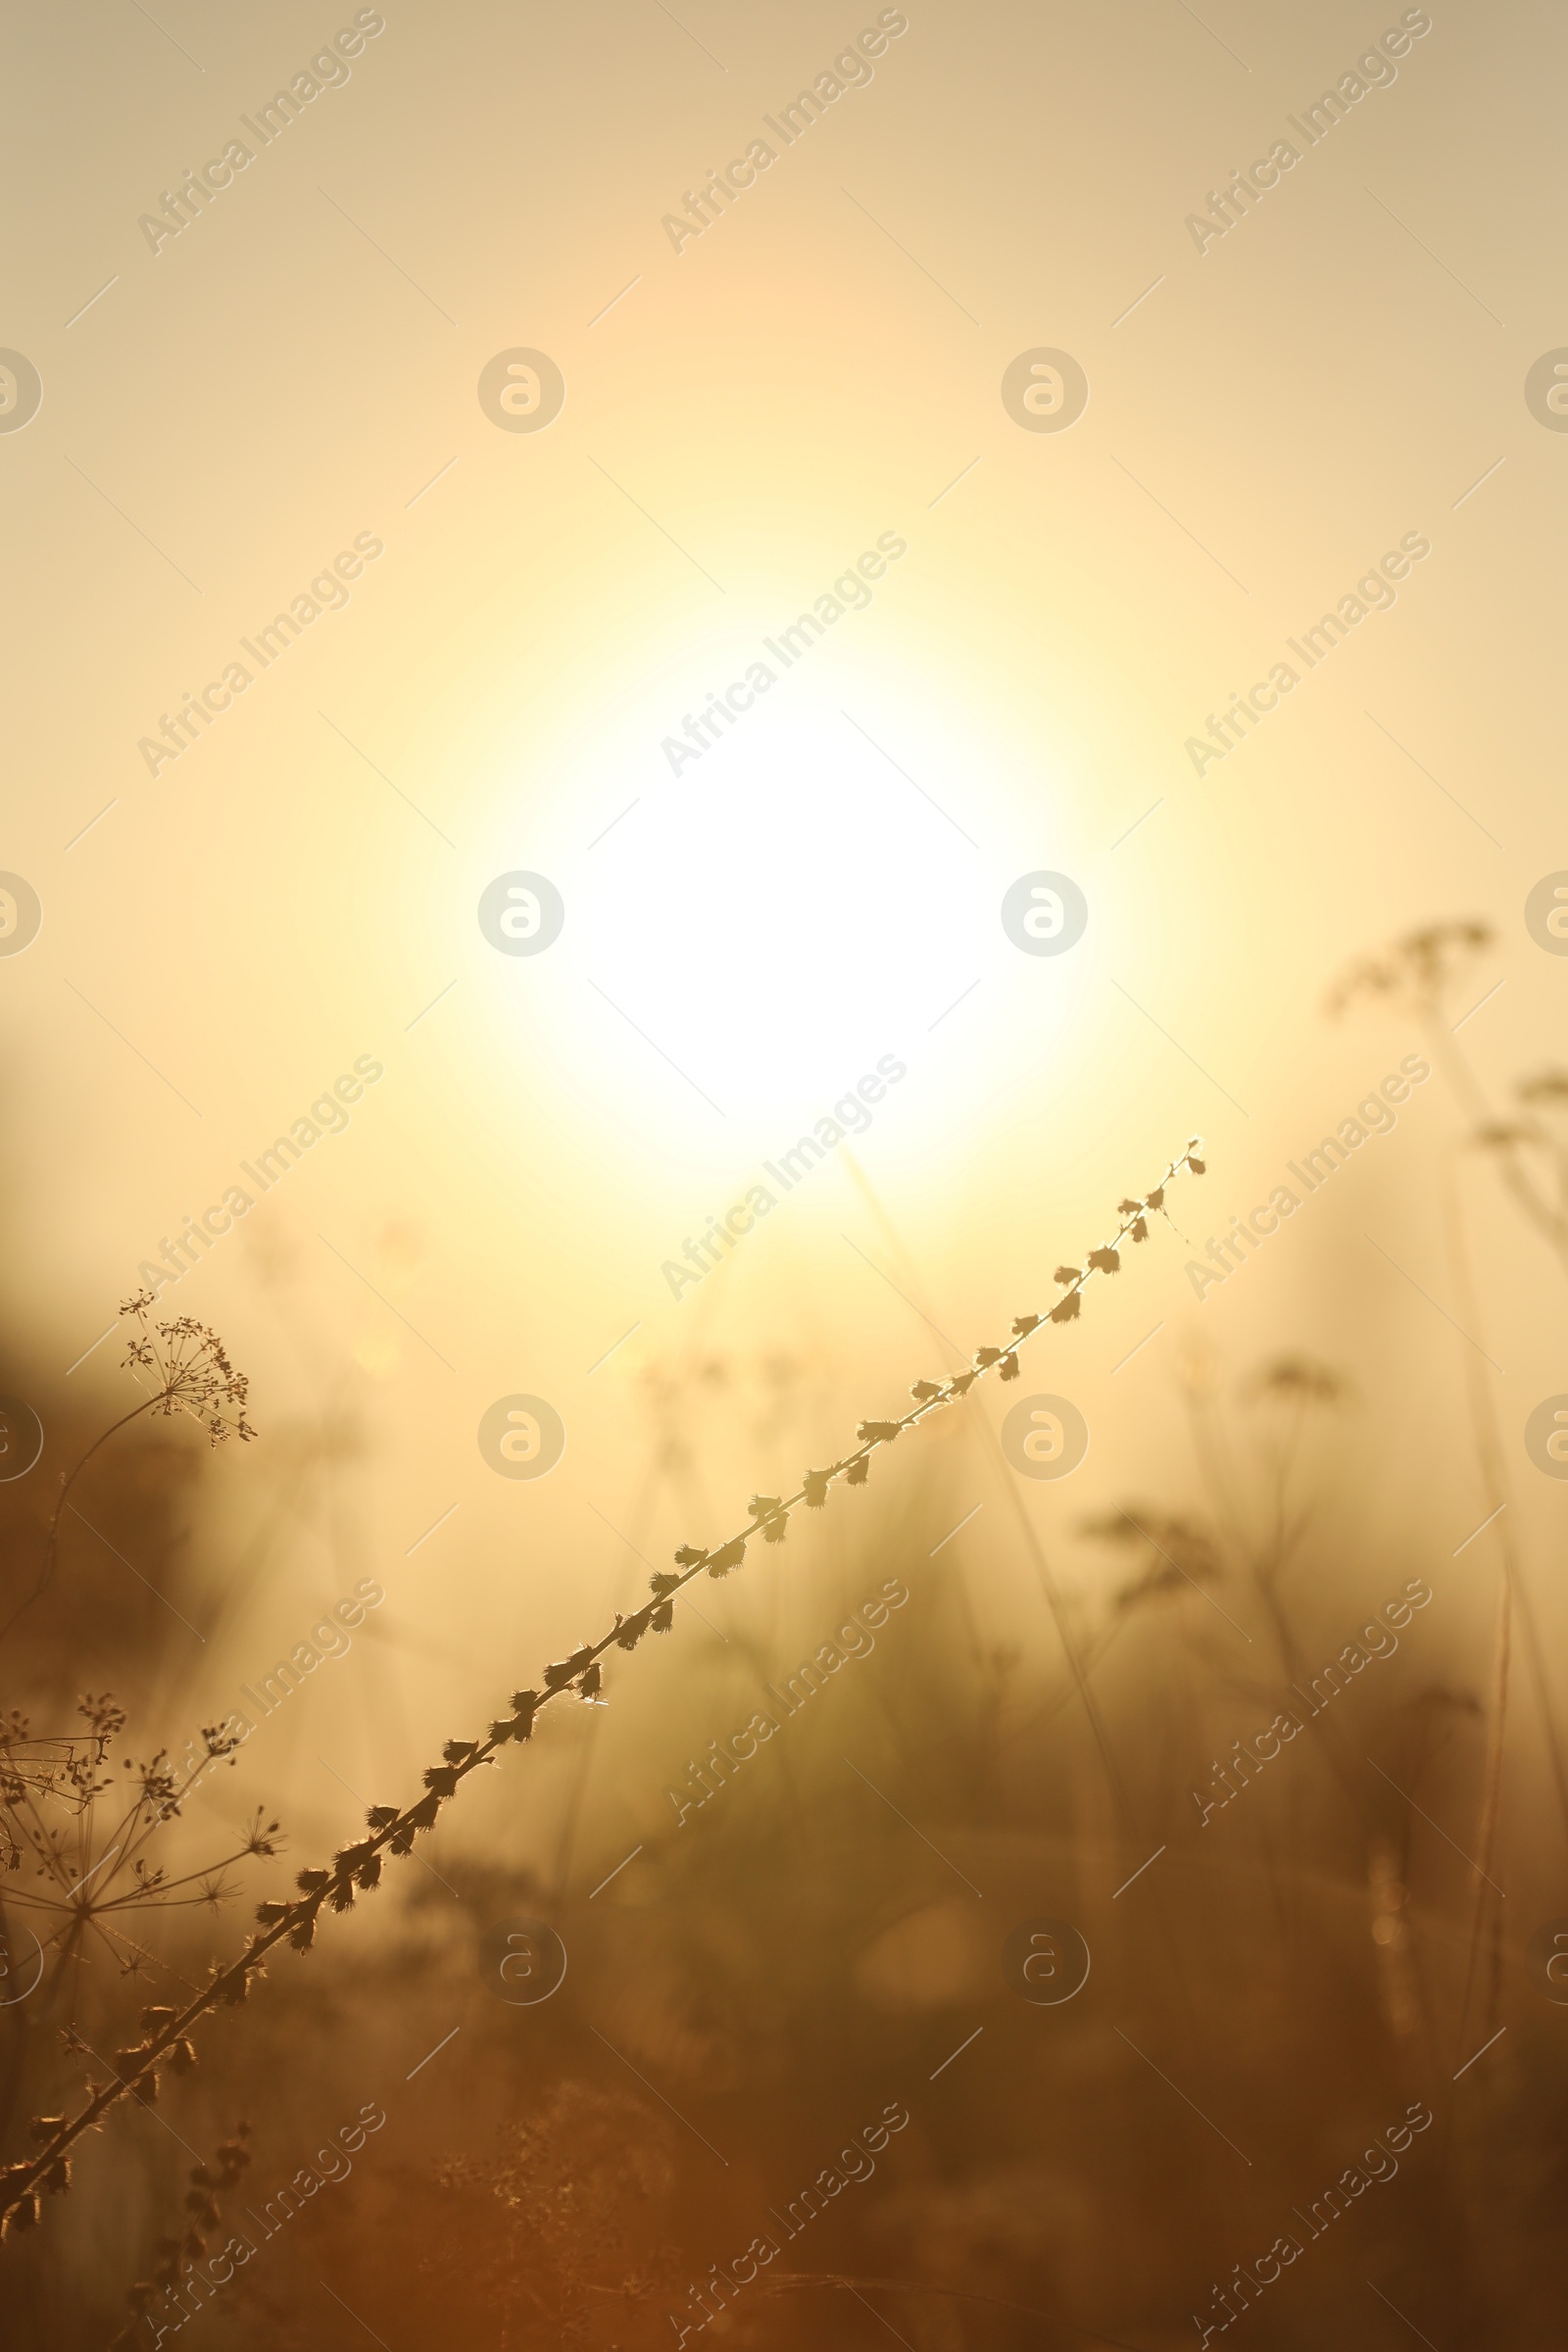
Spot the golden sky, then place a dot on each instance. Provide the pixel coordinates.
(497, 633)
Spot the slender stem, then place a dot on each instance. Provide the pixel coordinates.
(52, 1539)
(1472, 1100)
(1490, 1459)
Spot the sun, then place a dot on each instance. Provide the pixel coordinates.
(786, 914)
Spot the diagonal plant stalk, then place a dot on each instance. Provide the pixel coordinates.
(393, 1830)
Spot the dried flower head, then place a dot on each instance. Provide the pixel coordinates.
(82, 1883)
(1417, 970)
(1297, 1380)
(1179, 1554)
(185, 1367)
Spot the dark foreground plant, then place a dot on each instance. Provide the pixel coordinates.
(357, 1868)
(90, 1883)
(208, 2181)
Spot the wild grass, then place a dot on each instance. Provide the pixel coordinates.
(190, 1372)
(752, 1986)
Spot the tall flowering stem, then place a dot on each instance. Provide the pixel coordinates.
(392, 1830)
(184, 1368)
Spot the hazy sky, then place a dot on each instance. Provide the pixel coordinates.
(330, 394)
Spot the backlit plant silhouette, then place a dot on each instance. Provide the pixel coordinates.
(357, 1868)
(1419, 973)
(1530, 1143)
(83, 1881)
(207, 2182)
(184, 1368)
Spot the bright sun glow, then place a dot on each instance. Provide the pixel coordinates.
(786, 912)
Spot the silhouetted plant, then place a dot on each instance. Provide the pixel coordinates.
(357, 1867)
(93, 1878)
(207, 2185)
(184, 1367)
